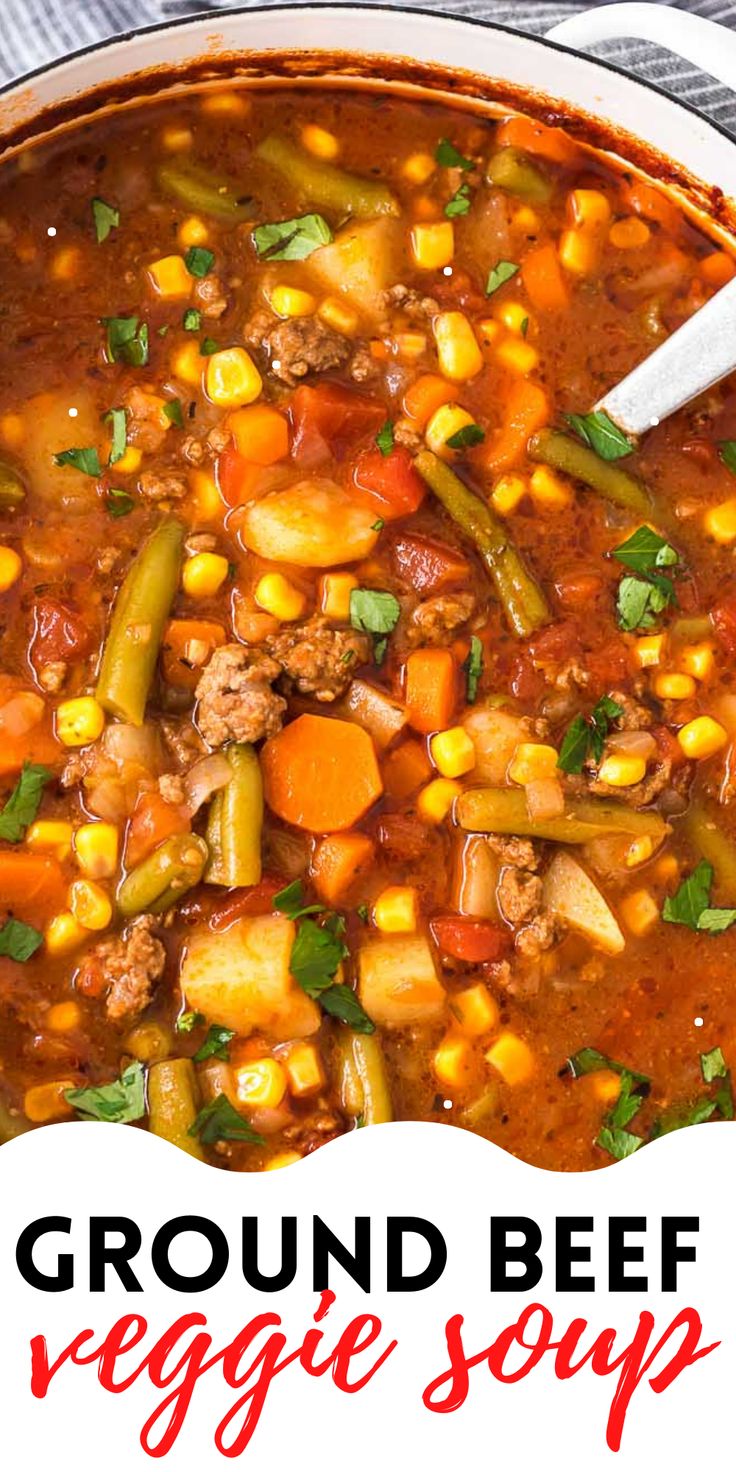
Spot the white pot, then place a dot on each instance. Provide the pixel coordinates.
(491, 62)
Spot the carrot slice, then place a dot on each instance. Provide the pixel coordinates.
(425, 395)
(527, 411)
(261, 434)
(25, 730)
(321, 774)
(151, 822)
(406, 768)
(533, 137)
(542, 276)
(31, 881)
(431, 689)
(338, 862)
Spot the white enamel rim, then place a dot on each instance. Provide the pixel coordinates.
(477, 47)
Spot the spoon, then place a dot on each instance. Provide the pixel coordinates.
(699, 354)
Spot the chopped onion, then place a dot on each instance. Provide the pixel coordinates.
(476, 876)
(382, 717)
(108, 800)
(633, 743)
(21, 713)
(204, 778)
(544, 799)
(137, 746)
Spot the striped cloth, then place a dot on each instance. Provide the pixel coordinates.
(34, 31)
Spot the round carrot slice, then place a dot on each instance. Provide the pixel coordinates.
(320, 774)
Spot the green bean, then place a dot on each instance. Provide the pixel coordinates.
(516, 174)
(136, 629)
(161, 879)
(552, 447)
(363, 1083)
(504, 810)
(523, 601)
(235, 822)
(173, 1104)
(707, 836)
(207, 193)
(12, 490)
(322, 184)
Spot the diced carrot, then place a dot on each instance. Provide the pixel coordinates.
(652, 204)
(237, 477)
(428, 565)
(338, 862)
(321, 774)
(405, 769)
(151, 822)
(425, 395)
(530, 136)
(527, 410)
(261, 433)
(542, 276)
(30, 881)
(26, 734)
(718, 268)
(187, 646)
(431, 689)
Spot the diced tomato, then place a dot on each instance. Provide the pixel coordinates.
(329, 420)
(525, 682)
(723, 619)
(555, 645)
(608, 666)
(701, 450)
(59, 633)
(470, 940)
(668, 747)
(236, 477)
(391, 482)
(426, 565)
(578, 589)
(151, 822)
(256, 900)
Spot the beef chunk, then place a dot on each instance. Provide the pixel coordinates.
(434, 620)
(519, 895)
(298, 346)
(162, 486)
(517, 852)
(236, 702)
(127, 968)
(318, 659)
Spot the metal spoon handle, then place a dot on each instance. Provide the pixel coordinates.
(695, 357)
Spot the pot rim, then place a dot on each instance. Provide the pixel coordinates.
(181, 21)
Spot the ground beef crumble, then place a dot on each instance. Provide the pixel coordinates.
(434, 620)
(235, 699)
(127, 968)
(317, 659)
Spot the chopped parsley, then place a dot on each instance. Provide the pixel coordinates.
(174, 412)
(192, 320)
(199, 261)
(590, 1060)
(524, 326)
(713, 1065)
(377, 613)
(120, 1102)
(290, 902)
(460, 202)
(449, 157)
(473, 668)
(642, 598)
(645, 551)
(119, 503)
(106, 218)
(341, 1001)
(316, 955)
(291, 240)
(727, 452)
(19, 941)
(601, 434)
(385, 438)
(691, 905)
(465, 437)
(377, 526)
(117, 419)
(127, 340)
(615, 1137)
(499, 275)
(24, 801)
(585, 738)
(216, 1043)
(187, 1021)
(208, 346)
(87, 460)
(221, 1121)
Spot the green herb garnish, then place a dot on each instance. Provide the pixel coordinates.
(106, 218)
(192, 320)
(499, 275)
(642, 598)
(127, 340)
(221, 1121)
(727, 452)
(691, 906)
(118, 419)
(586, 738)
(473, 668)
(465, 437)
(449, 157)
(199, 261)
(19, 941)
(187, 1021)
(119, 503)
(174, 412)
(120, 1102)
(215, 1044)
(601, 434)
(460, 202)
(87, 460)
(24, 801)
(385, 438)
(291, 240)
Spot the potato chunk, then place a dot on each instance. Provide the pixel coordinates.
(241, 979)
(572, 896)
(495, 734)
(314, 523)
(360, 263)
(398, 983)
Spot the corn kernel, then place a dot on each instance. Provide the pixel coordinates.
(435, 800)
(320, 142)
(170, 277)
(304, 1069)
(284, 1157)
(261, 1084)
(639, 911)
(395, 910)
(410, 346)
(63, 1017)
(697, 660)
(338, 315)
(720, 521)
(96, 849)
(452, 752)
(460, 357)
(475, 1010)
(79, 721)
(674, 687)
(192, 231)
(578, 252)
(629, 234)
(445, 422)
(55, 838)
(667, 869)
(489, 331)
(606, 1085)
(622, 769)
(232, 379)
(433, 246)
(513, 315)
(526, 219)
(512, 1058)
(225, 104)
(207, 498)
(550, 490)
(532, 762)
(518, 356)
(177, 140)
(11, 568)
(290, 301)
(204, 574)
(12, 431)
(418, 168)
(589, 208)
(64, 934)
(508, 493)
(45, 1102)
(639, 852)
(90, 905)
(276, 595)
(702, 738)
(66, 263)
(335, 589)
(130, 461)
(648, 651)
(187, 364)
(451, 1061)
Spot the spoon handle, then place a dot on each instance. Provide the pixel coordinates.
(695, 357)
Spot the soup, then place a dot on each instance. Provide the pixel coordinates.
(365, 699)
